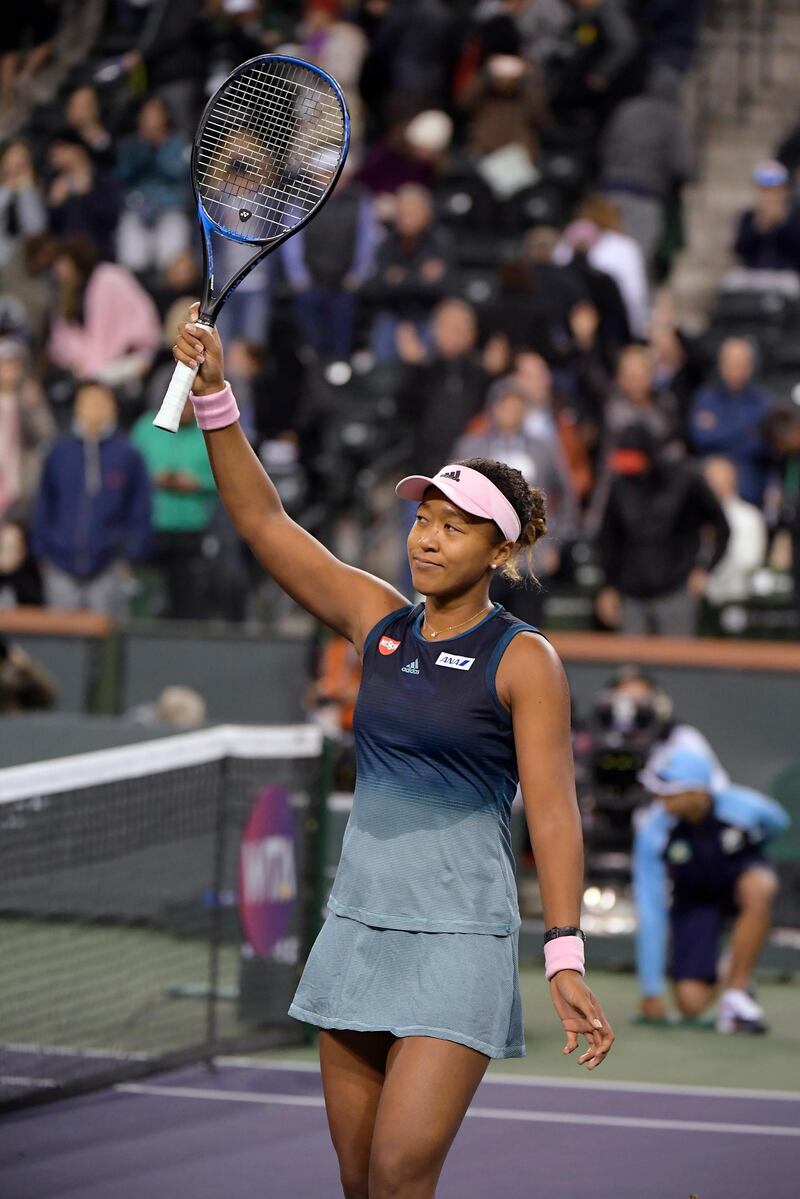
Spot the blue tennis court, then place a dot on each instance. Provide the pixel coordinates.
(257, 1128)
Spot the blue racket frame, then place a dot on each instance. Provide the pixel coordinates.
(210, 308)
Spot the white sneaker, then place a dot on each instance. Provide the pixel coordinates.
(739, 1012)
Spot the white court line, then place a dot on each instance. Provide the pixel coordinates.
(543, 1080)
(481, 1113)
(19, 1080)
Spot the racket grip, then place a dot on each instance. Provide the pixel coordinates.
(169, 414)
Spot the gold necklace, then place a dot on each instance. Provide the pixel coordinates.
(448, 628)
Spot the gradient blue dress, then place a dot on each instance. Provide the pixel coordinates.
(422, 935)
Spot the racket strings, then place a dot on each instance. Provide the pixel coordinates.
(269, 151)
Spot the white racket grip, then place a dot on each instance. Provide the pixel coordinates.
(174, 402)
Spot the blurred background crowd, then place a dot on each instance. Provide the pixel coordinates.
(492, 276)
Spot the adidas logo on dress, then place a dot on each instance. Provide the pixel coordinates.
(411, 667)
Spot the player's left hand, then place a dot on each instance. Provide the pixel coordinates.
(580, 1013)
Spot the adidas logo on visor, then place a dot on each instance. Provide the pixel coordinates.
(411, 667)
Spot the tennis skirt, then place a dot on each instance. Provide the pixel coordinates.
(460, 987)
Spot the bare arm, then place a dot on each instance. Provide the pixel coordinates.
(532, 685)
(530, 679)
(348, 600)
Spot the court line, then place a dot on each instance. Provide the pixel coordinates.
(544, 1080)
(482, 1113)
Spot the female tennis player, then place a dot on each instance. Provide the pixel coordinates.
(414, 978)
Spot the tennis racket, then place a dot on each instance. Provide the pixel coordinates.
(268, 151)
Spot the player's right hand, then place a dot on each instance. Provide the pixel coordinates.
(201, 347)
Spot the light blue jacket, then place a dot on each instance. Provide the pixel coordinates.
(741, 807)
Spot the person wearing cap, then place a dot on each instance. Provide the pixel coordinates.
(414, 979)
(707, 840)
(768, 236)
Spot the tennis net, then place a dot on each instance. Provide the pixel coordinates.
(156, 904)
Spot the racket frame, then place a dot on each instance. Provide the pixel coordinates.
(210, 305)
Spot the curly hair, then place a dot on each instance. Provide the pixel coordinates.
(527, 502)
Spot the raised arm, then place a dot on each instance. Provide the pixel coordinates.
(348, 600)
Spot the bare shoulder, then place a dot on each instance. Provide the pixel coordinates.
(531, 670)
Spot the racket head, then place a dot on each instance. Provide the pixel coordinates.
(269, 149)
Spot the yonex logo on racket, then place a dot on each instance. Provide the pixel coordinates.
(244, 214)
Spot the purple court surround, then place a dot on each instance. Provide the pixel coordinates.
(245, 1130)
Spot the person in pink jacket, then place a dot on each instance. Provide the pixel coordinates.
(107, 327)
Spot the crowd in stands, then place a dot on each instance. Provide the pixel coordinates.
(484, 281)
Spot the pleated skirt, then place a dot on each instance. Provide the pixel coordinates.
(460, 987)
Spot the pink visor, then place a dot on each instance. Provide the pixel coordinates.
(467, 489)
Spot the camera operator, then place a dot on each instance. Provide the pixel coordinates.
(631, 728)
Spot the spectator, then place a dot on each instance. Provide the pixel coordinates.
(586, 374)
(20, 580)
(410, 152)
(768, 237)
(589, 57)
(171, 48)
(22, 209)
(549, 418)
(504, 105)
(636, 401)
(411, 59)
(153, 165)
(598, 235)
(727, 418)
(729, 581)
(25, 425)
(83, 117)
(107, 326)
(526, 315)
(708, 841)
(411, 270)
(644, 157)
(327, 263)
(339, 47)
(783, 431)
(506, 439)
(184, 503)
(24, 685)
(92, 515)
(652, 544)
(677, 368)
(82, 199)
(446, 383)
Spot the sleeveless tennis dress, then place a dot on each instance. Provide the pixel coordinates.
(422, 935)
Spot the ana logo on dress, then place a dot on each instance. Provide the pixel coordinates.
(454, 661)
(411, 667)
(387, 645)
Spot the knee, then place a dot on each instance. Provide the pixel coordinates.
(393, 1170)
(692, 998)
(756, 889)
(355, 1185)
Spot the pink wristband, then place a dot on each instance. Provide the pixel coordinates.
(563, 953)
(217, 410)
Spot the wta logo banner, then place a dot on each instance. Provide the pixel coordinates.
(268, 871)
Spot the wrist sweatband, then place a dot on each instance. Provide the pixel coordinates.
(563, 953)
(217, 410)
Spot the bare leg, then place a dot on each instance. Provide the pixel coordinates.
(429, 1086)
(693, 996)
(353, 1066)
(756, 889)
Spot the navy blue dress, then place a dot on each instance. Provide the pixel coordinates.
(422, 935)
